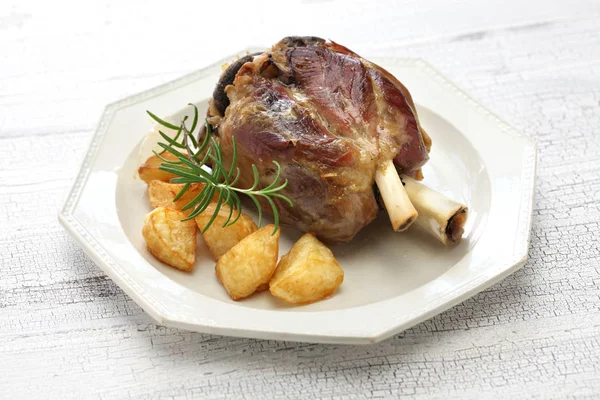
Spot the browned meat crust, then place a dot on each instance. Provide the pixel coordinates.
(329, 117)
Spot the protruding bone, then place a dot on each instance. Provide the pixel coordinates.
(439, 216)
(399, 207)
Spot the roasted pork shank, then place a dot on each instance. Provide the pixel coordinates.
(330, 118)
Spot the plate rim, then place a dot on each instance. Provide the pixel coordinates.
(164, 316)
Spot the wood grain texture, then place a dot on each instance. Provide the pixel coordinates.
(66, 331)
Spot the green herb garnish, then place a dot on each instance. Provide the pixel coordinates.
(192, 166)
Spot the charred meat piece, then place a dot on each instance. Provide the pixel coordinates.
(220, 99)
(330, 118)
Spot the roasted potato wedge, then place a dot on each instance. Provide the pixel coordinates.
(307, 273)
(218, 239)
(149, 171)
(249, 264)
(170, 239)
(161, 194)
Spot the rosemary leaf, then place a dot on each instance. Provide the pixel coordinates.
(189, 168)
(162, 122)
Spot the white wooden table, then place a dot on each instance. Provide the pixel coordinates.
(66, 331)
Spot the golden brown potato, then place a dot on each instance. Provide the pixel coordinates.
(170, 239)
(161, 194)
(262, 287)
(149, 171)
(218, 239)
(307, 273)
(250, 263)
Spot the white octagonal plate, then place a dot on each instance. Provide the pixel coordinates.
(392, 281)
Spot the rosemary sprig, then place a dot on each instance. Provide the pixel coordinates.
(191, 167)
